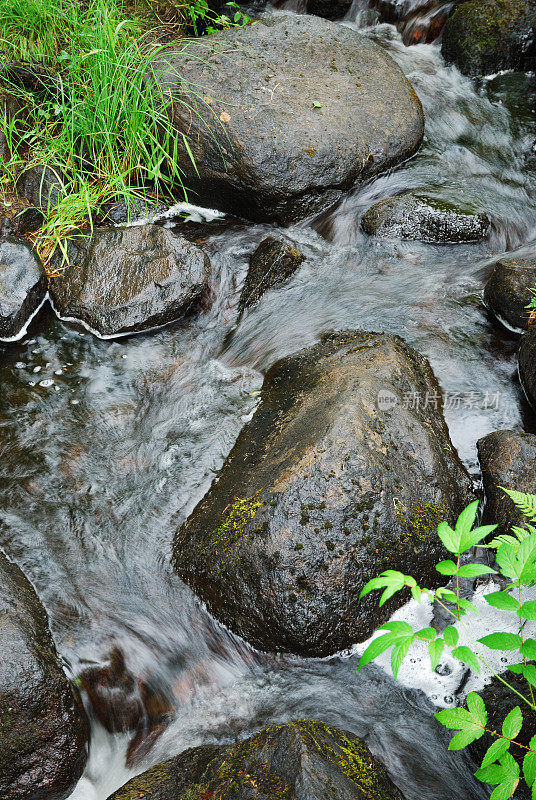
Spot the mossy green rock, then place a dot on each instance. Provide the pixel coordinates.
(302, 760)
(527, 364)
(43, 728)
(510, 288)
(288, 113)
(345, 470)
(485, 36)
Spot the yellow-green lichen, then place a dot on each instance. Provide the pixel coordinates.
(423, 520)
(232, 529)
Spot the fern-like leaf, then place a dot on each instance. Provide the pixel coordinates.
(525, 502)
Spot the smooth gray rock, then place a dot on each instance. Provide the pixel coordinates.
(302, 760)
(510, 289)
(413, 216)
(507, 458)
(299, 110)
(123, 280)
(272, 263)
(44, 731)
(23, 285)
(527, 364)
(338, 476)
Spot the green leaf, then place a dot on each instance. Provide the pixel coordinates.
(512, 723)
(451, 636)
(528, 648)
(475, 536)
(466, 656)
(507, 561)
(494, 773)
(454, 717)
(504, 790)
(316, 104)
(525, 502)
(447, 567)
(446, 594)
(435, 649)
(464, 738)
(474, 570)
(466, 520)
(398, 627)
(502, 600)
(427, 633)
(376, 648)
(528, 610)
(495, 751)
(447, 536)
(398, 655)
(477, 708)
(466, 605)
(529, 768)
(416, 593)
(502, 641)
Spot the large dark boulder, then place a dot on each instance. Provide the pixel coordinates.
(345, 470)
(43, 728)
(486, 36)
(43, 186)
(510, 288)
(507, 458)
(272, 263)
(122, 280)
(23, 286)
(288, 113)
(413, 216)
(302, 760)
(527, 364)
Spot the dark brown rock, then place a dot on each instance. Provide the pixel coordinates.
(271, 132)
(336, 478)
(507, 458)
(295, 761)
(124, 280)
(485, 36)
(413, 216)
(272, 263)
(527, 364)
(23, 285)
(510, 288)
(114, 693)
(43, 728)
(42, 186)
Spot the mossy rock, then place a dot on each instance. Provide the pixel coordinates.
(302, 760)
(485, 36)
(344, 470)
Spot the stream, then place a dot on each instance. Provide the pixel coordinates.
(107, 446)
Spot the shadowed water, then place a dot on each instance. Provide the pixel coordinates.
(105, 447)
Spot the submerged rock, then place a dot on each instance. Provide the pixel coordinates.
(289, 112)
(272, 263)
(122, 280)
(507, 458)
(486, 36)
(43, 728)
(23, 285)
(114, 693)
(345, 470)
(299, 760)
(412, 216)
(527, 364)
(510, 288)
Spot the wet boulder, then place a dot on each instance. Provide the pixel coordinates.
(23, 286)
(413, 216)
(43, 186)
(485, 36)
(122, 280)
(509, 290)
(271, 133)
(301, 759)
(272, 263)
(527, 364)
(345, 470)
(43, 727)
(507, 458)
(124, 210)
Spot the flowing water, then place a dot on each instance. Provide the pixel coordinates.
(107, 446)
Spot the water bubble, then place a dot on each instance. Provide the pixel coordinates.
(37, 369)
(58, 372)
(20, 365)
(46, 383)
(448, 698)
(504, 659)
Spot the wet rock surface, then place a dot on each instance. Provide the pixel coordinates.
(299, 760)
(42, 186)
(527, 364)
(23, 285)
(122, 211)
(125, 280)
(276, 97)
(43, 727)
(412, 216)
(272, 263)
(485, 36)
(507, 458)
(322, 491)
(509, 291)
